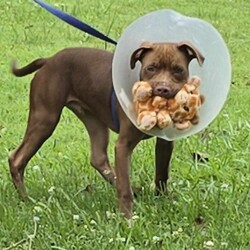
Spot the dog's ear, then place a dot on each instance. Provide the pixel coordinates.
(139, 53)
(191, 52)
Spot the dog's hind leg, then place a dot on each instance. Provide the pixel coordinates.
(37, 132)
(40, 128)
(45, 111)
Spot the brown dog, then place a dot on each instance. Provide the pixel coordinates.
(81, 79)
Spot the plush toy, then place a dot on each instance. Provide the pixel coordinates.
(151, 110)
(182, 110)
(184, 107)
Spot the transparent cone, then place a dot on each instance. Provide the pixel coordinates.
(170, 26)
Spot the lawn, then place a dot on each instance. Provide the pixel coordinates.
(207, 205)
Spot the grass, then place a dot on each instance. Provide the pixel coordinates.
(207, 206)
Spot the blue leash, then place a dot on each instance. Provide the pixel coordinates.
(92, 31)
(75, 22)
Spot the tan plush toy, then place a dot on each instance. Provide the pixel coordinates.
(182, 110)
(184, 107)
(151, 110)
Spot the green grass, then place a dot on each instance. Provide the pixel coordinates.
(206, 201)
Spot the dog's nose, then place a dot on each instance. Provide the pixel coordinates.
(163, 91)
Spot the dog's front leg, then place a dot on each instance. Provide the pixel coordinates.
(128, 138)
(163, 152)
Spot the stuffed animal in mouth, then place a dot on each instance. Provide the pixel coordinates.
(184, 107)
(151, 110)
(181, 111)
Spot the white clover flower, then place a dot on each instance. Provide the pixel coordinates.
(131, 248)
(224, 186)
(76, 217)
(110, 215)
(180, 182)
(224, 244)
(37, 209)
(51, 190)
(204, 206)
(135, 217)
(156, 238)
(36, 218)
(121, 239)
(93, 222)
(175, 233)
(36, 168)
(208, 244)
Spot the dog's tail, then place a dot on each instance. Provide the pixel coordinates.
(28, 69)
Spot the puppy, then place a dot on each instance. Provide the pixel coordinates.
(81, 80)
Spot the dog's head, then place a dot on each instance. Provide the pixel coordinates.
(165, 65)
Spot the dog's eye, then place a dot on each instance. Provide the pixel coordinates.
(151, 68)
(178, 70)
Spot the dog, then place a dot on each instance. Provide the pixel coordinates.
(81, 80)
